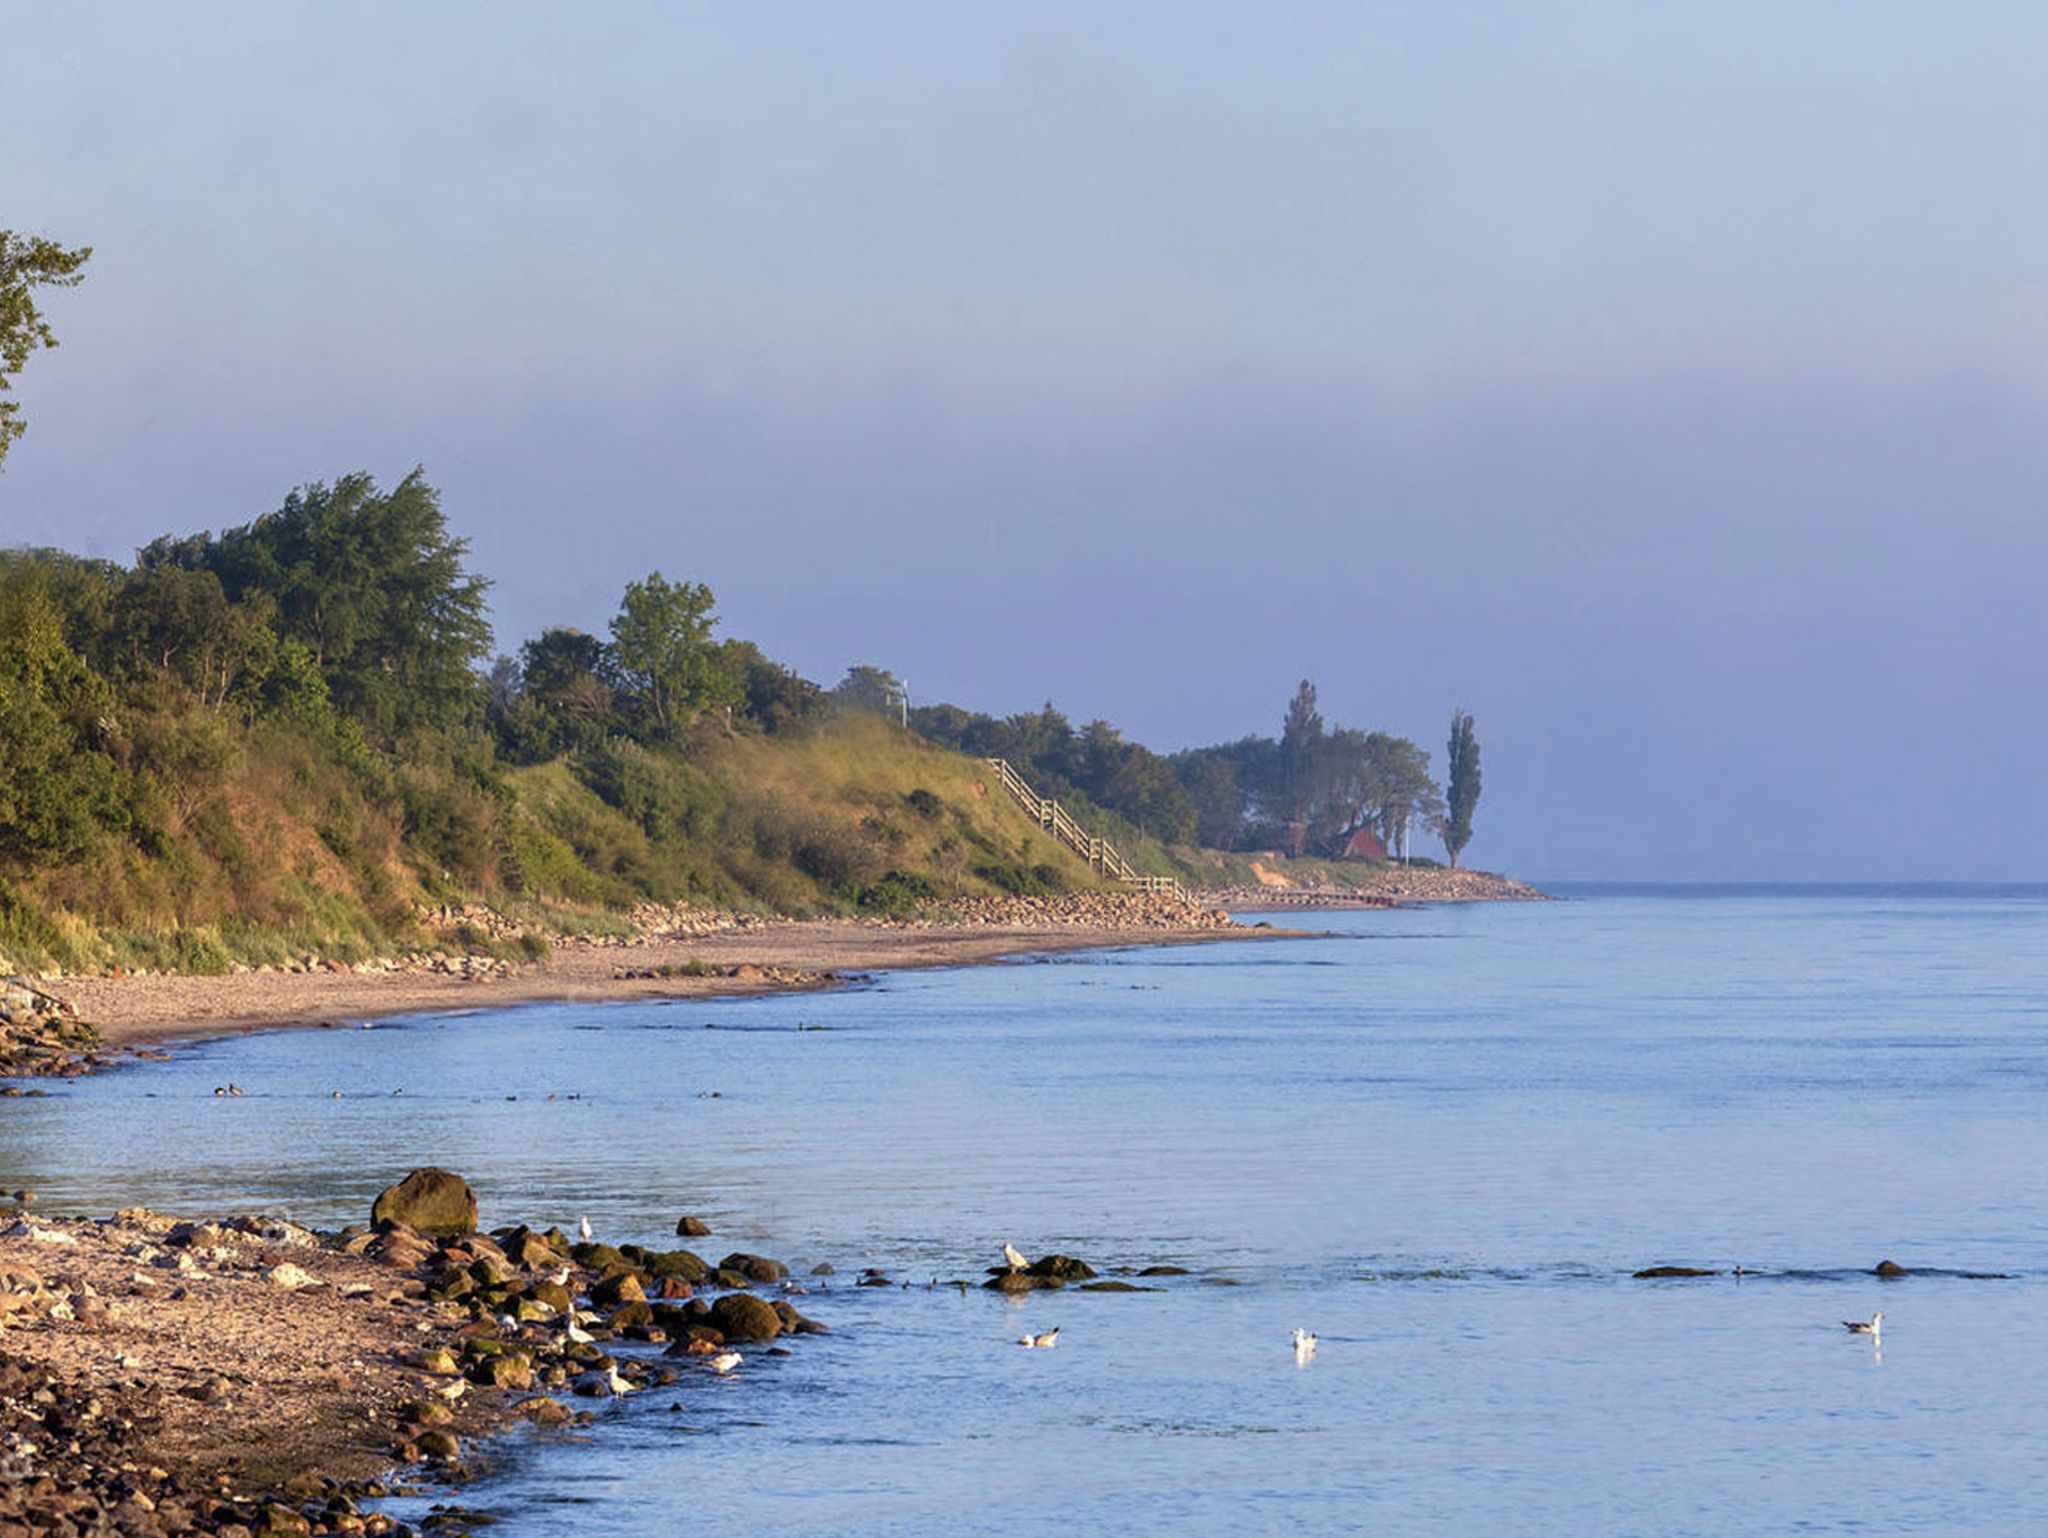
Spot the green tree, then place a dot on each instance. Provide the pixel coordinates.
(1301, 744)
(661, 643)
(27, 262)
(875, 690)
(374, 587)
(1461, 791)
(57, 783)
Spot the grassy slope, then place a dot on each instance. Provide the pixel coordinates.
(269, 851)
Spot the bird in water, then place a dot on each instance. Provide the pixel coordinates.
(1014, 1260)
(1304, 1345)
(1871, 1326)
(1043, 1342)
(573, 1331)
(725, 1362)
(583, 1228)
(618, 1385)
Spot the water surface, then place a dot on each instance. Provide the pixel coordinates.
(1440, 1138)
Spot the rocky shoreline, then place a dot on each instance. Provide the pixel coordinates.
(251, 1377)
(1390, 886)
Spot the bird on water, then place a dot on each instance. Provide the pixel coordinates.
(1043, 1342)
(1874, 1325)
(725, 1362)
(1304, 1345)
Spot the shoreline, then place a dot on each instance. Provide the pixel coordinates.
(135, 1012)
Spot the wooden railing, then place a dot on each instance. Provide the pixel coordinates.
(1098, 852)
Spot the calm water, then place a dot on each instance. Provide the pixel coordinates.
(1441, 1139)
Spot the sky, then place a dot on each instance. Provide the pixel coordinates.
(1663, 384)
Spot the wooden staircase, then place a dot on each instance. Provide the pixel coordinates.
(1098, 852)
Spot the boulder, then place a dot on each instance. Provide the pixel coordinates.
(1063, 1268)
(616, 1288)
(1889, 1268)
(429, 1201)
(742, 1316)
(758, 1267)
(688, 1227)
(1021, 1281)
(681, 1264)
(1654, 1272)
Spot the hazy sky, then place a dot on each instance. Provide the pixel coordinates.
(1667, 384)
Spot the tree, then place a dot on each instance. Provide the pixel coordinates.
(661, 643)
(875, 690)
(1461, 790)
(373, 586)
(27, 262)
(1301, 741)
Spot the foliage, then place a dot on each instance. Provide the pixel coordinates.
(27, 262)
(1461, 793)
(662, 647)
(372, 585)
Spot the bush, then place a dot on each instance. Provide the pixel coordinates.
(899, 894)
(924, 803)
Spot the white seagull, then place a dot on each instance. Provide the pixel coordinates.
(725, 1362)
(618, 1385)
(1304, 1345)
(1043, 1342)
(584, 1228)
(1873, 1326)
(1015, 1261)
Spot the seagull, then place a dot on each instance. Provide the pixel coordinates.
(1304, 1345)
(1043, 1342)
(1872, 1326)
(725, 1362)
(561, 1277)
(618, 1385)
(574, 1332)
(584, 1229)
(1015, 1261)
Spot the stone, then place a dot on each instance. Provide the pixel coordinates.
(441, 1446)
(620, 1287)
(681, 1264)
(691, 1228)
(504, 1371)
(290, 1278)
(1652, 1272)
(429, 1201)
(1021, 1281)
(1889, 1268)
(756, 1268)
(742, 1316)
(1164, 1271)
(1063, 1268)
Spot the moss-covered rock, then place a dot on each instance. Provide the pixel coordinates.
(682, 1264)
(429, 1201)
(1063, 1268)
(758, 1268)
(742, 1316)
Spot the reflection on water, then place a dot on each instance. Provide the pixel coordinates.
(1442, 1141)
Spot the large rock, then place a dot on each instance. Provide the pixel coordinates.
(742, 1316)
(429, 1201)
(756, 1267)
(1063, 1268)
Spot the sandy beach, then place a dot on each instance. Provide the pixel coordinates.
(137, 1011)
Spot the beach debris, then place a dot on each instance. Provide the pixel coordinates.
(1304, 1345)
(1873, 1326)
(35, 1233)
(1041, 1342)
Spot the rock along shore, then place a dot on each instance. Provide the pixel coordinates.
(249, 1376)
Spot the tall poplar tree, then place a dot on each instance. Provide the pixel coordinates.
(1461, 792)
